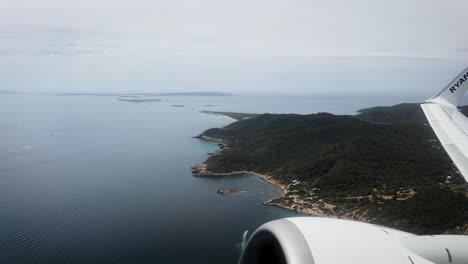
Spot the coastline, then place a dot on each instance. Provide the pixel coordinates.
(291, 208)
(232, 116)
(220, 114)
(291, 201)
(305, 197)
(201, 170)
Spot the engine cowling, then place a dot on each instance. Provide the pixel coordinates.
(316, 240)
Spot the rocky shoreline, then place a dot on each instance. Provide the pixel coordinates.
(310, 212)
(201, 170)
(357, 196)
(289, 199)
(284, 201)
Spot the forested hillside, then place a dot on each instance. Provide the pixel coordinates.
(383, 165)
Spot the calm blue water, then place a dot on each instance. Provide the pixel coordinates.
(89, 179)
(96, 180)
(295, 103)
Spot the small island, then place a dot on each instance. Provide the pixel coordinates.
(383, 166)
(136, 99)
(226, 192)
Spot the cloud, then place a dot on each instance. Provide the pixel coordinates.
(275, 45)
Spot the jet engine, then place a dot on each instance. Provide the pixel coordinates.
(316, 240)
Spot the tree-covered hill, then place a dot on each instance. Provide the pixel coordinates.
(383, 165)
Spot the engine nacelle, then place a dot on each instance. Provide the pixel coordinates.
(316, 240)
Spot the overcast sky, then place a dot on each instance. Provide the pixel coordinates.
(309, 46)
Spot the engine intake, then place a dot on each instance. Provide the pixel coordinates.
(316, 240)
(277, 242)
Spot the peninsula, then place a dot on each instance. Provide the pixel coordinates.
(383, 166)
(235, 116)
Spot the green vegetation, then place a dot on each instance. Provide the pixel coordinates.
(395, 114)
(383, 165)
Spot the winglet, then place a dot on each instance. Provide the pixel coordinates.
(448, 123)
(453, 93)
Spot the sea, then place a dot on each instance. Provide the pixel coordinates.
(91, 179)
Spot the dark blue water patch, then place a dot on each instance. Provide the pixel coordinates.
(115, 186)
(131, 225)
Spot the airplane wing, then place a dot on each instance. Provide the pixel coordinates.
(316, 240)
(451, 126)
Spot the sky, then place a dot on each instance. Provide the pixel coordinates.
(241, 46)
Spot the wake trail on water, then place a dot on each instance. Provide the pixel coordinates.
(15, 150)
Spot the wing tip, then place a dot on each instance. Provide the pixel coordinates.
(452, 94)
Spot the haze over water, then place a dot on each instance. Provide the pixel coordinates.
(90, 179)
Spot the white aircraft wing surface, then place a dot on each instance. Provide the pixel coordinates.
(451, 126)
